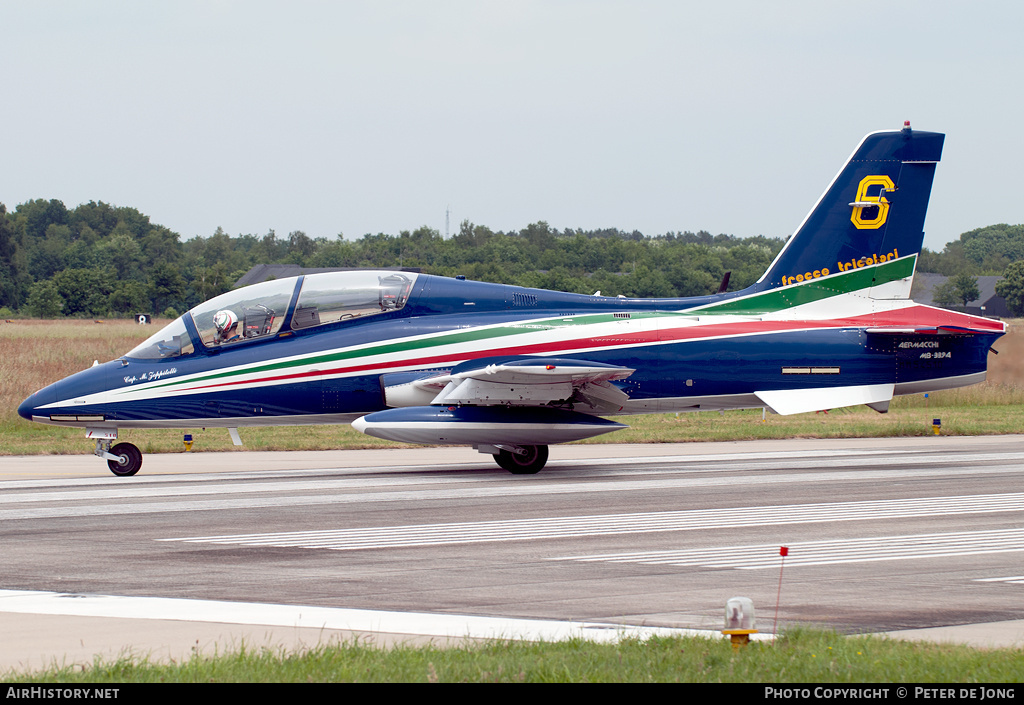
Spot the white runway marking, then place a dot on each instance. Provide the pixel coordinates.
(1015, 579)
(573, 527)
(811, 553)
(360, 621)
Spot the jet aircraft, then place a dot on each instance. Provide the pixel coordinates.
(426, 359)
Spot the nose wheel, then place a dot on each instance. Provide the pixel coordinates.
(127, 461)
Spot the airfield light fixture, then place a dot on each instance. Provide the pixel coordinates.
(739, 621)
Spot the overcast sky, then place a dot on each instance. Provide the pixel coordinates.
(356, 117)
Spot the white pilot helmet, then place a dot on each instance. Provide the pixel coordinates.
(224, 321)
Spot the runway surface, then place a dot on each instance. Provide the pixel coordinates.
(921, 537)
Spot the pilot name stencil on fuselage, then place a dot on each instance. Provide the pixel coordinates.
(151, 376)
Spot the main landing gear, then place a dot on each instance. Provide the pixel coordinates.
(522, 460)
(123, 459)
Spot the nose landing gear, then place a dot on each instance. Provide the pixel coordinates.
(123, 459)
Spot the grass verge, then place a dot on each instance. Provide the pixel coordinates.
(799, 656)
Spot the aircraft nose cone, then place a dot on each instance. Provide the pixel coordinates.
(29, 407)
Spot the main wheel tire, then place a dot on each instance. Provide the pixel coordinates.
(129, 462)
(528, 464)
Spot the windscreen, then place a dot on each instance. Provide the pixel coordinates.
(170, 341)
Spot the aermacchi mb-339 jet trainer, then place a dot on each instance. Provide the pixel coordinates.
(508, 370)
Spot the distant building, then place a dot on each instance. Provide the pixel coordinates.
(265, 272)
(988, 304)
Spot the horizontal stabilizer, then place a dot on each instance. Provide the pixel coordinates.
(797, 401)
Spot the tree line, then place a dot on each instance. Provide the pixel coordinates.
(103, 260)
(995, 250)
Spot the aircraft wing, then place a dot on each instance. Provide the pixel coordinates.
(520, 381)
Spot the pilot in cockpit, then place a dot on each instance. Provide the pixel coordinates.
(226, 323)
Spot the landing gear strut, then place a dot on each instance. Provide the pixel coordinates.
(522, 460)
(123, 459)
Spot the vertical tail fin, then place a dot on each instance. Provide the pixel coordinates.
(871, 217)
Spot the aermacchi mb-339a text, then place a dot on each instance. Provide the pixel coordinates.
(426, 359)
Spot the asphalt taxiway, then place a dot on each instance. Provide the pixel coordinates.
(920, 538)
